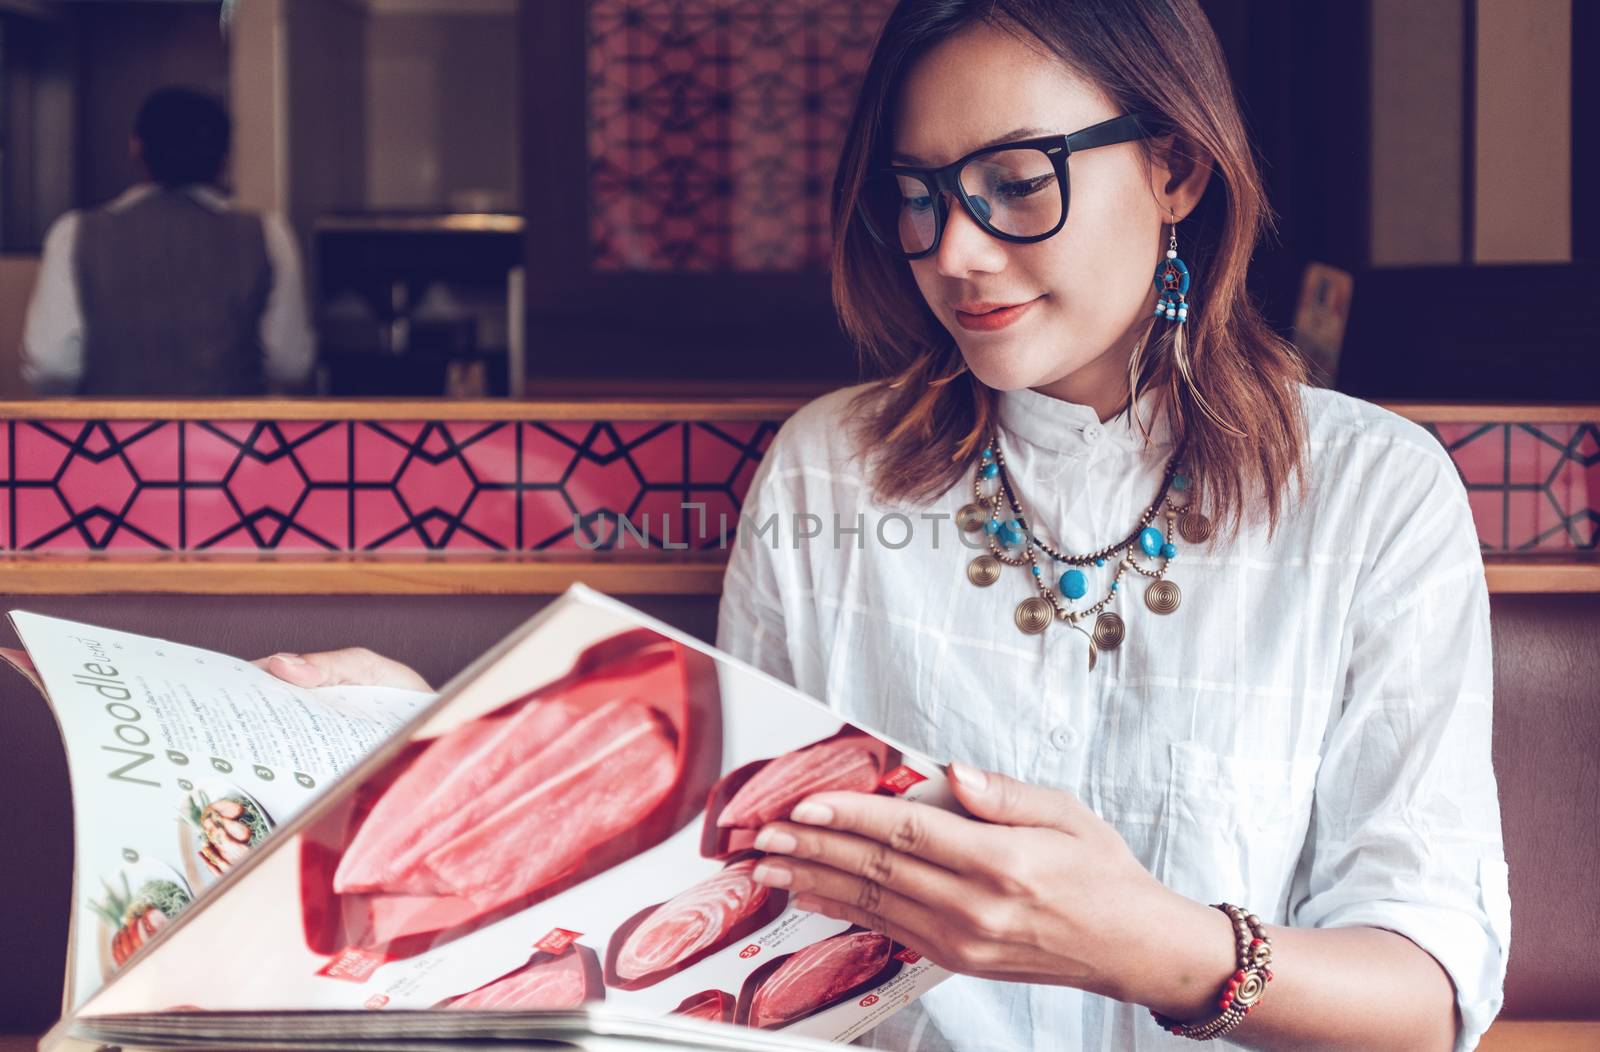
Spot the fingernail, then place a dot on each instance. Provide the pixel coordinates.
(772, 876)
(290, 659)
(812, 814)
(805, 903)
(970, 777)
(776, 840)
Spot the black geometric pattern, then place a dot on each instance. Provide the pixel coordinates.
(1532, 487)
(195, 485)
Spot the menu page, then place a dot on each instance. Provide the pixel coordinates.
(570, 827)
(182, 761)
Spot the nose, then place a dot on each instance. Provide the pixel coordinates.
(965, 247)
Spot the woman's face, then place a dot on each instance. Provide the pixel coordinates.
(1089, 287)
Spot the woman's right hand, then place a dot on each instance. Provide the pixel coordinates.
(352, 667)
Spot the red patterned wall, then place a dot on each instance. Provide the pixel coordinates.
(188, 485)
(714, 127)
(339, 485)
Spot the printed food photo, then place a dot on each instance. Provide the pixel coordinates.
(548, 982)
(520, 803)
(663, 939)
(766, 790)
(222, 823)
(715, 1005)
(787, 989)
(138, 902)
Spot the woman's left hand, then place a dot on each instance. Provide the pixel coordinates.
(1042, 890)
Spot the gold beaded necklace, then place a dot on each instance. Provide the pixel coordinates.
(1035, 613)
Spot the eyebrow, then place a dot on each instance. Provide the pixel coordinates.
(1015, 133)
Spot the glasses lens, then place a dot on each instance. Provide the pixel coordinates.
(1015, 191)
(900, 209)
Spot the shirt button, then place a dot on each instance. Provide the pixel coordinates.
(1063, 737)
(1092, 433)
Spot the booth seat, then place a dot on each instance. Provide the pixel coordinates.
(1546, 753)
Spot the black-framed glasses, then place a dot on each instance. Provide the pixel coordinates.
(1017, 191)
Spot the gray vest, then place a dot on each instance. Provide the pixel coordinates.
(172, 294)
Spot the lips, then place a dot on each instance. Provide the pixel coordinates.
(987, 317)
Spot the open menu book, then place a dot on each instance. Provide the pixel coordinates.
(558, 846)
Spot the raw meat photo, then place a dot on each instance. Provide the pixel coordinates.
(800, 984)
(518, 804)
(766, 790)
(664, 939)
(715, 1005)
(548, 982)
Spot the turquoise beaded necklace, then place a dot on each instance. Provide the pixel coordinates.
(996, 512)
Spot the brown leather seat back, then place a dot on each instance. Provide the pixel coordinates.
(1547, 761)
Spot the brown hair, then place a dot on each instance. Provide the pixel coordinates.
(929, 418)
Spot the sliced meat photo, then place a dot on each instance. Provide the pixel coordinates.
(428, 803)
(466, 828)
(817, 976)
(504, 810)
(692, 923)
(715, 1005)
(545, 983)
(848, 761)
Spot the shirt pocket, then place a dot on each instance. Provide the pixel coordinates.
(1234, 825)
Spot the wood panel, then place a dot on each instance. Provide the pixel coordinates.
(560, 399)
(692, 573)
(1542, 1035)
(593, 406)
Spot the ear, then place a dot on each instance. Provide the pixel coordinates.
(1179, 173)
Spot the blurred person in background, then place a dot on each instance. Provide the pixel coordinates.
(169, 289)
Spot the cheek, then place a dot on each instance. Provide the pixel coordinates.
(1099, 274)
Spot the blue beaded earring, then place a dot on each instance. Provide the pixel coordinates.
(1172, 278)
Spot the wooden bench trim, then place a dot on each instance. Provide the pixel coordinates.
(1541, 1035)
(740, 400)
(656, 573)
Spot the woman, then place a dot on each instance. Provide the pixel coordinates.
(1283, 703)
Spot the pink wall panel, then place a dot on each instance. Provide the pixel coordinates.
(339, 485)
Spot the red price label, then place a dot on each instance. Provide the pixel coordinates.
(557, 940)
(750, 951)
(353, 965)
(908, 956)
(900, 779)
(376, 1001)
(869, 1000)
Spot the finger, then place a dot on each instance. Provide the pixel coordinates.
(997, 798)
(351, 666)
(911, 828)
(294, 668)
(866, 858)
(891, 910)
(852, 914)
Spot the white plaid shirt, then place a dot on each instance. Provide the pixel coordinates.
(1307, 735)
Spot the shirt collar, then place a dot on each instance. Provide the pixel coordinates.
(1070, 427)
(206, 195)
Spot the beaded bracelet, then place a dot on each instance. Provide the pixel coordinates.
(1245, 987)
